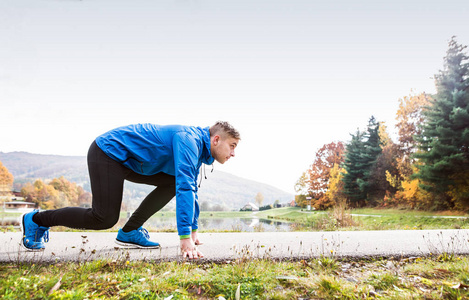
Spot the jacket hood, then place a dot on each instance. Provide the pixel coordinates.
(207, 157)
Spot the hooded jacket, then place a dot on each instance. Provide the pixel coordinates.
(176, 150)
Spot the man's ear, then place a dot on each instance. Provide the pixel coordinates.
(216, 139)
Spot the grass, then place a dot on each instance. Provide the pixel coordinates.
(367, 219)
(445, 276)
(321, 278)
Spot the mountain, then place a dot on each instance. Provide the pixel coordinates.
(220, 189)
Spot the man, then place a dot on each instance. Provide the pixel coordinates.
(168, 157)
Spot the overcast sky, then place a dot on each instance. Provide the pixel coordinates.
(290, 75)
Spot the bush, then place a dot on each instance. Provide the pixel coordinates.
(265, 207)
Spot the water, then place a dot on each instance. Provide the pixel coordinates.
(216, 224)
(224, 224)
(10, 221)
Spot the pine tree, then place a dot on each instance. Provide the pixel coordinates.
(444, 140)
(369, 186)
(354, 169)
(360, 159)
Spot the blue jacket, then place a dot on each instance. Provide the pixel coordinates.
(176, 150)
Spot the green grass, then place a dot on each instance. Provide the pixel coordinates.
(395, 211)
(368, 219)
(322, 278)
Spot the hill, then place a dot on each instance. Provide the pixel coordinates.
(219, 189)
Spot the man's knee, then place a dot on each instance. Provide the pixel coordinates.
(105, 221)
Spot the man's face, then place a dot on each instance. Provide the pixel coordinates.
(223, 148)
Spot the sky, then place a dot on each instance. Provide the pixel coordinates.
(291, 75)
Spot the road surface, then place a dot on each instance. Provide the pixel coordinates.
(219, 247)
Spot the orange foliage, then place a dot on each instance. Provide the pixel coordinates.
(411, 195)
(409, 116)
(319, 173)
(58, 193)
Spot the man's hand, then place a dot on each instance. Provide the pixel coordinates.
(195, 238)
(188, 249)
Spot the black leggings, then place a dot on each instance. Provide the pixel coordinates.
(107, 183)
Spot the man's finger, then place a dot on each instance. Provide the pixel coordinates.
(195, 254)
(190, 254)
(200, 254)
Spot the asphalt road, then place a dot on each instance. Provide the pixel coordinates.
(219, 247)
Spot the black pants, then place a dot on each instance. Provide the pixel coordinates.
(107, 184)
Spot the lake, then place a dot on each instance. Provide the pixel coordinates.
(224, 224)
(249, 224)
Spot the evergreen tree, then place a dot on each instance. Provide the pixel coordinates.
(360, 159)
(353, 166)
(370, 185)
(444, 140)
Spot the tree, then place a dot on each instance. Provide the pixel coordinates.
(259, 199)
(353, 169)
(370, 185)
(384, 167)
(204, 206)
(58, 193)
(319, 173)
(444, 141)
(6, 180)
(336, 185)
(301, 201)
(409, 117)
(302, 184)
(361, 156)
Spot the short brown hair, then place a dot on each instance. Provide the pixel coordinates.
(222, 127)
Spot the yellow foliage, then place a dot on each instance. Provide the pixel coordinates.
(459, 192)
(383, 134)
(336, 186)
(6, 179)
(411, 195)
(410, 189)
(392, 180)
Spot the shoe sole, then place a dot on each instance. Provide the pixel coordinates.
(24, 235)
(131, 245)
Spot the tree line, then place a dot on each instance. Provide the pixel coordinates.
(426, 168)
(56, 193)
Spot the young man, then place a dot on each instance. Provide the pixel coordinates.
(168, 157)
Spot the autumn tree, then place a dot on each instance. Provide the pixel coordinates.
(409, 118)
(319, 173)
(6, 180)
(301, 188)
(302, 184)
(58, 193)
(259, 199)
(385, 165)
(444, 140)
(301, 201)
(335, 191)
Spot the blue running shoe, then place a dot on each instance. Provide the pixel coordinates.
(136, 238)
(34, 235)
